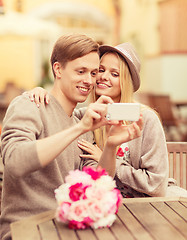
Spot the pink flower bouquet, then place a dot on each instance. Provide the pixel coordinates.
(88, 198)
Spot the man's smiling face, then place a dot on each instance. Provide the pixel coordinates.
(78, 77)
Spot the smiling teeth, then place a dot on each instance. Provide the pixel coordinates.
(84, 89)
(102, 84)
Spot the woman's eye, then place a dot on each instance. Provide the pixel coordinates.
(101, 70)
(115, 74)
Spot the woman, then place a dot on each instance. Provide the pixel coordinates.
(142, 163)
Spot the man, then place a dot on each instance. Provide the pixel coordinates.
(39, 145)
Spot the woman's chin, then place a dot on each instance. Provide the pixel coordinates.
(102, 91)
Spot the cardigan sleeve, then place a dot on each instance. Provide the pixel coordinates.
(21, 128)
(147, 171)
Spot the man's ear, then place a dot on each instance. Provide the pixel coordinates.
(57, 69)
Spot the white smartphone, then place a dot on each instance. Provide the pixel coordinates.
(123, 111)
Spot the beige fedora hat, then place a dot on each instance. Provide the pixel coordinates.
(127, 51)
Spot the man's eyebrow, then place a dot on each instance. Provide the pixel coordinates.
(86, 68)
(82, 67)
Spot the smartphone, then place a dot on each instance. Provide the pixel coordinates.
(123, 111)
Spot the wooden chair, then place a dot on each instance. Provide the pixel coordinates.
(170, 117)
(163, 105)
(177, 154)
(142, 97)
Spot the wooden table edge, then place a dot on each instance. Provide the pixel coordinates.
(153, 199)
(44, 215)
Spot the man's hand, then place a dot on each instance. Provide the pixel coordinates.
(121, 133)
(95, 115)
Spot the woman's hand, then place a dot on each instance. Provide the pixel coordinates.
(38, 95)
(94, 152)
(121, 133)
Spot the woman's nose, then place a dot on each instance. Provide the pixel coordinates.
(104, 75)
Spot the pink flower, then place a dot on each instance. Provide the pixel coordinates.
(88, 198)
(126, 149)
(95, 173)
(76, 225)
(80, 225)
(77, 191)
(118, 197)
(63, 211)
(88, 221)
(120, 152)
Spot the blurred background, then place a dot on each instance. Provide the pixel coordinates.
(157, 29)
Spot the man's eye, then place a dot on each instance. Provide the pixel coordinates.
(101, 70)
(80, 71)
(94, 74)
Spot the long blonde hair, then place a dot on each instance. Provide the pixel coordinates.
(127, 90)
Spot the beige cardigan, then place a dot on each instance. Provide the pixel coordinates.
(146, 173)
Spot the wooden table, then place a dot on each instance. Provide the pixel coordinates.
(145, 218)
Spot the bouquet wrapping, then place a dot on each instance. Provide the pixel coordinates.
(88, 198)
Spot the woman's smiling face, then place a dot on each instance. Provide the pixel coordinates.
(108, 79)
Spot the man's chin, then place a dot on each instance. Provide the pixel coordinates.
(81, 99)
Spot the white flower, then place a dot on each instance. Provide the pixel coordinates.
(94, 192)
(78, 210)
(95, 209)
(78, 176)
(106, 183)
(84, 202)
(62, 193)
(105, 221)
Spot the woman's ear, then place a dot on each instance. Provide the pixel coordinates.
(57, 69)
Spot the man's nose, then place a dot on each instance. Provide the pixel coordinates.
(88, 79)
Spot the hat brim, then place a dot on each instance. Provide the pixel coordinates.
(134, 74)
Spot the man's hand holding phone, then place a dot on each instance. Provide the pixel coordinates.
(121, 132)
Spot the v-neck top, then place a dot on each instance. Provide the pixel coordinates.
(28, 188)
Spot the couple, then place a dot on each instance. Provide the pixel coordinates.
(41, 145)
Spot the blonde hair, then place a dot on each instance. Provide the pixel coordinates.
(127, 90)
